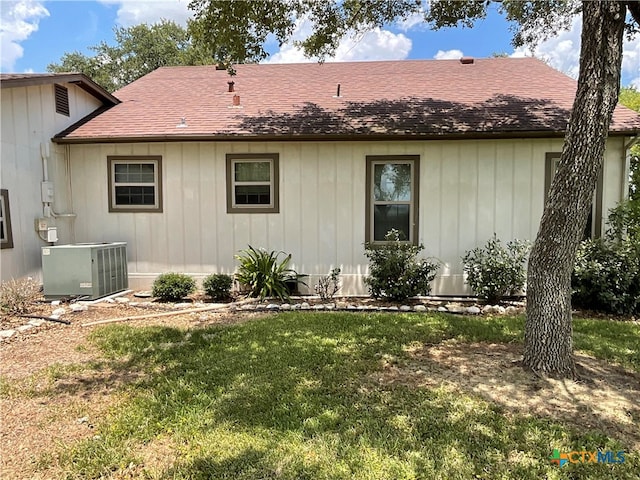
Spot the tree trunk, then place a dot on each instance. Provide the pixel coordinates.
(548, 346)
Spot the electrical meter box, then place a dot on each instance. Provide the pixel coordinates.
(86, 270)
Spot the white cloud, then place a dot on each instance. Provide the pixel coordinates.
(18, 21)
(448, 55)
(562, 52)
(377, 44)
(412, 21)
(135, 12)
(631, 61)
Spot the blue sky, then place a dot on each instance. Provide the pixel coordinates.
(36, 33)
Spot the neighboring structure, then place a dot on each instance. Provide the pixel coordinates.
(316, 159)
(34, 171)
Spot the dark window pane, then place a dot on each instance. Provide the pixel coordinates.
(2, 232)
(386, 217)
(253, 195)
(135, 196)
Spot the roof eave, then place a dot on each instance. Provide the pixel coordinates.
(79, 79)
(319, 137)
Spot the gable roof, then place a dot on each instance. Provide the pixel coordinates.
(496, 97)
(10, 80)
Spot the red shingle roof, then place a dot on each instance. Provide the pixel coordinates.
(390, 99)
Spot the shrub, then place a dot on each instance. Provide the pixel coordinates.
(606, 276)
(606, 273)
(264, 273)
(329, 285)
(218, 286)
(494, 271)
(624, 222)
(395, 272)
(172, 287)
(17, 296)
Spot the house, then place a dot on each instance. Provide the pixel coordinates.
(193, 165)
(34, 171)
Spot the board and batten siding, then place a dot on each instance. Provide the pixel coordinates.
(468, 190)
(29, 119)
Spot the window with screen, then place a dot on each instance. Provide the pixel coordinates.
(252, 183)
(135, 184)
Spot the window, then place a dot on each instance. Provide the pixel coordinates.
(135, 184)
(592, 229)
(62, 100)
(252, 183)
(392, 197)
(6, 238)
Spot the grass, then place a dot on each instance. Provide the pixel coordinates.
(293, 396)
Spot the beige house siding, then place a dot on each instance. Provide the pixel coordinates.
(468, 190)
(29, 119)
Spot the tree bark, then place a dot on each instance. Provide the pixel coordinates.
(548, 345)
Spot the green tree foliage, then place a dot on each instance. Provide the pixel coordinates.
(237, 31)
(630, 97)
(138, 50)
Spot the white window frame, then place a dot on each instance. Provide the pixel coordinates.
(235, 158)
(156, 161)
(414, 162)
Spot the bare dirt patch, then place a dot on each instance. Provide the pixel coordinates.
(606, 398)
(55, 386)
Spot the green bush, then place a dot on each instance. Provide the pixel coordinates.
(624, 222)
(606, 273)
(606, 276)
(395, 272)
(218, 286)
(493, 271)
(264, 274)
(172, 287)
(18, 296)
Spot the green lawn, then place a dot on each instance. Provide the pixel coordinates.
(292, 396)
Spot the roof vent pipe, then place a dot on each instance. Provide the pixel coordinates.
(466, 60)
(236, 100)
(231, 84)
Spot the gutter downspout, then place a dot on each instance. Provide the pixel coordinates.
(627, 164)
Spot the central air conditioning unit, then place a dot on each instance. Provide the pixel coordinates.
(86, 270)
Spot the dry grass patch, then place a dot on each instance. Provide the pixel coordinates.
(606, 398)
